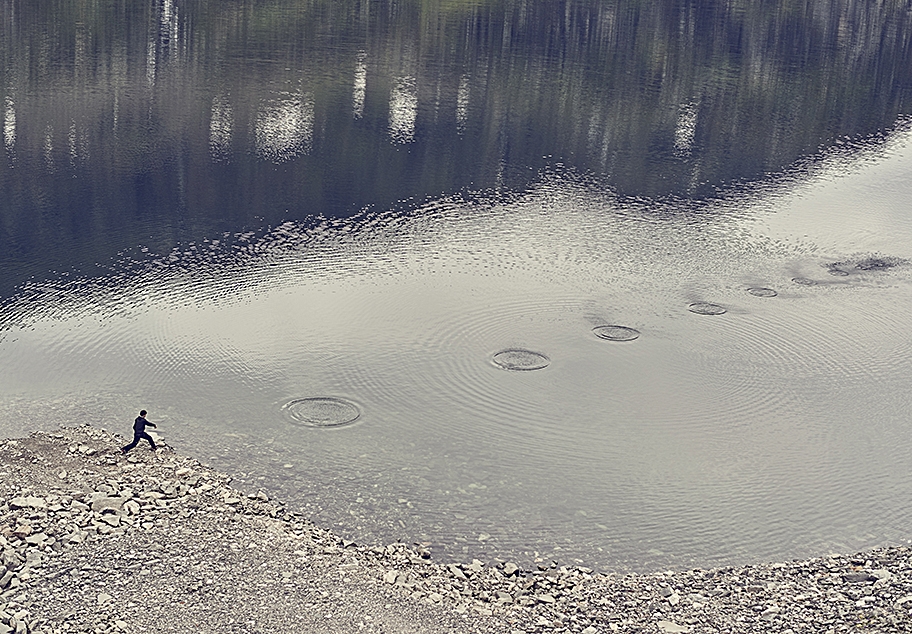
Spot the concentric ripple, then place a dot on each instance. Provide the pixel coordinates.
(706, 308)
(804, 281)
(616, 333)
(520, 359)
(759, 291)
(321, 411)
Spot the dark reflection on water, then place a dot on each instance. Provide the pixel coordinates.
(152, 122)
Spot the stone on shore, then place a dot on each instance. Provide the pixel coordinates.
(91, 541)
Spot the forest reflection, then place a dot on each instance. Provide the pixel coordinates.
(125, 119)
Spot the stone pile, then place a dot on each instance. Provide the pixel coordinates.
(93, 541)
(96, 542)
(866, 592)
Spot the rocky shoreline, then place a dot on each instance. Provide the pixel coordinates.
(93, 541)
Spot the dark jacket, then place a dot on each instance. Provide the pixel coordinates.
(139, 425)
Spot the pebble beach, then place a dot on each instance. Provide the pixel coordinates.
(96, 541)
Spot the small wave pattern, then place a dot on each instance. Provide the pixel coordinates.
(706, 308)
(861, 267)
(520, 359)
(867, 264)
(616, 333)
(321, 411)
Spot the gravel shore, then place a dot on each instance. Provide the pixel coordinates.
(94, 541)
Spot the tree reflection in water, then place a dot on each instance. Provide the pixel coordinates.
(179, 120)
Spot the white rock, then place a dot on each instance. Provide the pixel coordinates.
(103, 597)
(77, 537)
(102, 502)
(670, 627)
(475, 566)
(28, 502)
(33, 559)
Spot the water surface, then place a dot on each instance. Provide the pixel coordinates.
(366, 256)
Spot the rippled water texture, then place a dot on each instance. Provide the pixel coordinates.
(762, 292)
(321, 411)
(615, 333)
(706, 308)
(518, 359)
(618, 283)
(777, 428)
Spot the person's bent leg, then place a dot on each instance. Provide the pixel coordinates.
(136, 438)
(151, 442)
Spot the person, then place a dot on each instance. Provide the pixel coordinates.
(139, 432)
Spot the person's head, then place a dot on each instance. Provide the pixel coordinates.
(142, 413)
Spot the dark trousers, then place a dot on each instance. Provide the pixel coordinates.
(137, 436)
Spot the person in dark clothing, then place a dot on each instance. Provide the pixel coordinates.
(139, 432)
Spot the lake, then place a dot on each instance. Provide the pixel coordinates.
(608, 282)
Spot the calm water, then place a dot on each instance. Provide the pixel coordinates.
(360, 254)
